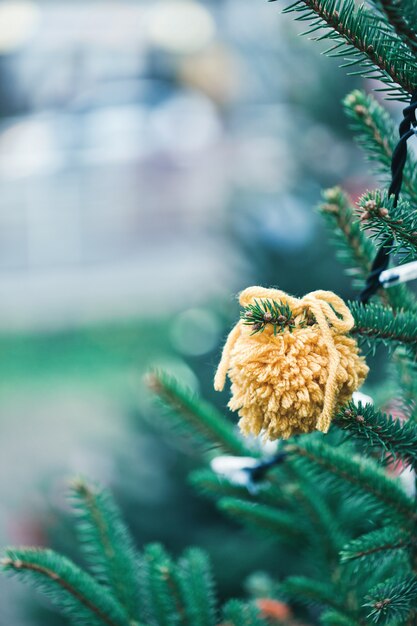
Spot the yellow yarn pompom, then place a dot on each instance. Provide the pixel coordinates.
(293, 380)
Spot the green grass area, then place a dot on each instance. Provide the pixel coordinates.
(88, 353)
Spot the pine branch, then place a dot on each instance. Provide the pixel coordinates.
(335, 618)
(197, 418)
(396, 439)
(237, 613)
(405, 378)
(214, 486)
(353, 247)
(107, 543)
(376, 545)
(361, 38)
(197, 588)
(338, 468)
(377, 324)
(313, 592)
(267, 519)
(392, 601)
(377, 135)
(160, 595)
(323, 528)
(394, 13)
(78, 595)
(408, 11)
(384, 221)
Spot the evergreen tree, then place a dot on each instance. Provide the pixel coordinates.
(338, 498)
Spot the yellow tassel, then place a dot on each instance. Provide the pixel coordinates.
(292, 382)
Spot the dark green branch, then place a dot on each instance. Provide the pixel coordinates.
(377, 135)
(353, 247)
(377, 324)
(361, 473)
(61, 578)
(195, 416)
(376, 545)
(385, 221)
(362, 38)
(396, 438)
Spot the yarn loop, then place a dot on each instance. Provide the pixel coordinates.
(291, 382)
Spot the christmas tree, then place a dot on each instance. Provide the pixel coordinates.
(340, 503)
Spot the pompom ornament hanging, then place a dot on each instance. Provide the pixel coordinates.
(290, 361)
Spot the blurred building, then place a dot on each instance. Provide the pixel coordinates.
(115, 168)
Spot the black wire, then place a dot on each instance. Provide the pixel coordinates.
(399, 157)
(259, 471)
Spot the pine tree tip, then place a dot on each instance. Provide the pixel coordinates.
(153, 382)
(79, 484)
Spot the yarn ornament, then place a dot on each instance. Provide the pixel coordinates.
(290, 361)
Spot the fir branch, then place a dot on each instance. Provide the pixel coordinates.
(107, 543)
(394, 12)
(269, 312)
(313, 592)
(395, 438)
(328, 464)
(392, 601)
(405, 379)
(77, 594)
(336, 618)
(197, 418)
(267, 519)
(384, 221)
(237, 613)
(214, 486)
(197, 588)
(363, 39)
(323, 529)
(376, 545)
(161, 600)
(353, 247)
(377, 324)
(408, 11)
(377, 134)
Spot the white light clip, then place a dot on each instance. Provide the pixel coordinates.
(400, 274)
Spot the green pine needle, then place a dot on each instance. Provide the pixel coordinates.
(354, 249)
(237, 613)
(398, 19)
(395, 438)
(375, 324)
(107, 543)
(269, 312)
(267, 519)
(377, 134)
(196, 418)
(361, 38)
(197, 588)
(314, 592)
(370, 549)
(75, 592)
(339, 469)
(160, 596)
(335, 618)
(382, 220)
(390, 602)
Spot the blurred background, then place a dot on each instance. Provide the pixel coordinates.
(156, 156)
